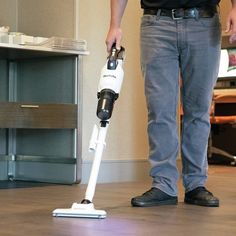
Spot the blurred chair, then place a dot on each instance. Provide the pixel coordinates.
(218, 155)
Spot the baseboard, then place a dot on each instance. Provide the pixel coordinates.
(112, 171)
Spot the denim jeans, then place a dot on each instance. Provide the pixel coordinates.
(169, 48)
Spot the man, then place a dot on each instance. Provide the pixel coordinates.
(177, 37)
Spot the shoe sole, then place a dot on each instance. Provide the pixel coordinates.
(202, 203)
(159, 203)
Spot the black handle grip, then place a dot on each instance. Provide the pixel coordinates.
(114, 55)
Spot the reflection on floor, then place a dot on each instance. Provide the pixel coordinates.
(21, 184)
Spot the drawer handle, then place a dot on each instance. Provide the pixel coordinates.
(29, 106)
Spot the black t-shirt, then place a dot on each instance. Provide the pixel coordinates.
(170, 4)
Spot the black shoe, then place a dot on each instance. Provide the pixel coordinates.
(153, 197)
(202, 197)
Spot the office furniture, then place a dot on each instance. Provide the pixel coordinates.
(222, 139)
(40, 114)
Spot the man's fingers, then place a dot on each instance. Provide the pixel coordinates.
(227, 26)
(109, 45)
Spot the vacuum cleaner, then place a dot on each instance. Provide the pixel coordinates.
(108, 91)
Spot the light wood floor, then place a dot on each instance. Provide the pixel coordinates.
(27, 211)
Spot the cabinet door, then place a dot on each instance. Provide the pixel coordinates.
(46, 155)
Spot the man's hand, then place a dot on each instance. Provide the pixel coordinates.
(114, 36)
(231, 23)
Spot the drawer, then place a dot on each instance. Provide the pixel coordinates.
(32, 115)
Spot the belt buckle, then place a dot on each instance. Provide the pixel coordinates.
(173, 11)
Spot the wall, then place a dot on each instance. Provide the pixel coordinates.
(47, 18)
(8, 16)
(127, 141)
(40, 18)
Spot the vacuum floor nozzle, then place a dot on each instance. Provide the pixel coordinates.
(80, 211)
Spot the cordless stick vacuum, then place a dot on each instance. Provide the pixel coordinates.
(108, 91)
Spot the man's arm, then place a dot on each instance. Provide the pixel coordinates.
(115, 33)
(231, 22)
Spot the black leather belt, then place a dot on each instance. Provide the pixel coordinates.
(183, 13)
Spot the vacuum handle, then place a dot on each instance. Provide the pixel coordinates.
(115, 55)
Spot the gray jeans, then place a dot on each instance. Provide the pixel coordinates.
(190, 47)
